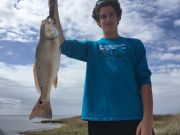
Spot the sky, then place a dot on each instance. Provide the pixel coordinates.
(155, 22)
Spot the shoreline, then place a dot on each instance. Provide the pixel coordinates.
(19, 125)
(72, 124)
(162, 124)
(60, 121)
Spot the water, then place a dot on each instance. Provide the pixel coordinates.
(16, 125)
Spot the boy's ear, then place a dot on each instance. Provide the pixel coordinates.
(98, 23)
(119, 18)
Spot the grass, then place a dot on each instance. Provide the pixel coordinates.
(163, 125)
(167, 124)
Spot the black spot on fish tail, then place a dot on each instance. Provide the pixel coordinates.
(40, 101)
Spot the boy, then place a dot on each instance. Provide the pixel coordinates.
(117, 93)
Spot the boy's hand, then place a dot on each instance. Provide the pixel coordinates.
(144, 128)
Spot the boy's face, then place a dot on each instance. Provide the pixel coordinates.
(108, 19)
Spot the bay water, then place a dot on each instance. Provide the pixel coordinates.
(19, 124)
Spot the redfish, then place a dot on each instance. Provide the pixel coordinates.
(47, 62)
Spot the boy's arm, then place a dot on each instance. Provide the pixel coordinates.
(147, 100)
(144, 83)
(145, 126)
(71, 48)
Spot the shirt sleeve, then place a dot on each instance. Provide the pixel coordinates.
(144, 72)
(75, 49)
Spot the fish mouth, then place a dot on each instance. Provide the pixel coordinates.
(50, 36)
(48, 31)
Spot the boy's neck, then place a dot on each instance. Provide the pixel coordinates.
(111, 35)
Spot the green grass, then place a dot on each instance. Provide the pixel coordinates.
(163, 125)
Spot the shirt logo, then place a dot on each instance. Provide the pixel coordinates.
(109, 51)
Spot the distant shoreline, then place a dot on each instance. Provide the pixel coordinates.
(15, 124)
(159, 114)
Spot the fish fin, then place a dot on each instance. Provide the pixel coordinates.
(55, 82)
(36, 79)
(42, 109)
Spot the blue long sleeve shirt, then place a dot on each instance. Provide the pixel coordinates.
(116, 69)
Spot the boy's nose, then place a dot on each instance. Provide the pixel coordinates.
(108, 19)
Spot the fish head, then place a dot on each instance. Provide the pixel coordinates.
(49, 30)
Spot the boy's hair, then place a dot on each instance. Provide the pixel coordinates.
(102, 3)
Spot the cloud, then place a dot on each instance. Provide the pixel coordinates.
(165, 68)
(167, 56)
(164, 50)
(177, 23)
(17, 90)
(14, 97)
(167, 8)
(25, 20)
(67, 99)
(18, 73)
(9, 101)
(71, 71)
(22, 17)
(166, 91)
(10, 53)
(174, 48)
(151, 21)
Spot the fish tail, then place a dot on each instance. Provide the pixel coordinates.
(42, 109)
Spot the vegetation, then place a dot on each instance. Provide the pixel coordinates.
(167, 124)
(163, 125)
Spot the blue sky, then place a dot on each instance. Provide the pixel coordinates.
(155, 22)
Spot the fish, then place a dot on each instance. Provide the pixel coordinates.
(46, 66)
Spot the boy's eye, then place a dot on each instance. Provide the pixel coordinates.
(112, 14)
(103, 16)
